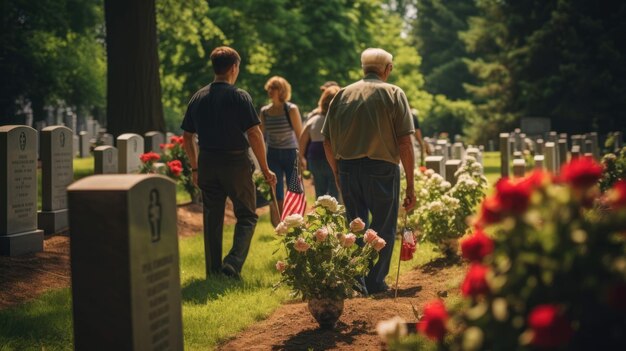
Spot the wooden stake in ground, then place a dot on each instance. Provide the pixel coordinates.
(400, 254)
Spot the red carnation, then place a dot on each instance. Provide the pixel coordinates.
(582, 172)
(477, 246)
(475, 282)
(176, 167)
(406, 252)
(550, 328)
(617, 194)
(423, 169)
(489, 211)
(149, 157)
(166, 146)
(513, 195)
(433, 323)
(176, 139)
(537, 178)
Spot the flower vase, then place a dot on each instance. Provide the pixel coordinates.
(326, 311)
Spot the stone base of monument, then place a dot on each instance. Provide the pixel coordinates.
(21, 243)
(53, 221)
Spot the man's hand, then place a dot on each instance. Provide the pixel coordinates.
(409, 200)
(270, 177)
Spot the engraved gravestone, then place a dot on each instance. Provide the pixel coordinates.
(451, 167)
(130, 147)
(539, 161)
(105, 160)
(519, 167)
(125, 272)
(504, 154)
(562, 146)
(153, 141)
(18, 194)
(57, 173)
(437, 164)
(550, 155)
(83, 147)
(107, 139)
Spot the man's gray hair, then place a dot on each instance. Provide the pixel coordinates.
(375, 59)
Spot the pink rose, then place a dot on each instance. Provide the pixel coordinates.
(378, 243)
(348, 240)
(301, 245)
(370, 235)
(280, 266)
(357, 225)
(321, 234)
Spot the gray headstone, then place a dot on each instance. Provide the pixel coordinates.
(552, 136)
(107, 139)
(70, 120)
(562, 146)
(519, 167)
(83, 147)
(563, 136)
(57, 173)
(575, 151)
(491, 145)
(588, 147)
(475, 153)
(105, 160)
(595, 146)
(504, 154)
(18, 194)
(517, 155)
(539, 161)
(438, 150)
(458, 151)
(550, 155)
(539, 145)
(437, 164)
(75, 145)
(168, 137)
(577, 140)
(451, 167)
(153, 141)
(126, 291)
(130, 147)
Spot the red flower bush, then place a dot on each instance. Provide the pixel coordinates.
(475, 282)
(166, 146)
(477, 246)
(149, 157)
(549, 327)
(582, 172)
(176, 167)
(177, 139)
(433, 323)
(513, 195)
(617, 194)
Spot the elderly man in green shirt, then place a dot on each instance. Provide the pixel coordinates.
(367, 133)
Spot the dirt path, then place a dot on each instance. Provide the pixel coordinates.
(291, 326)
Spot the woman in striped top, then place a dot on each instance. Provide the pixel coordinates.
(282, 126)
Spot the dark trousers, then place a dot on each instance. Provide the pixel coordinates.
(373, 186)
(323, 178)
(224, 174)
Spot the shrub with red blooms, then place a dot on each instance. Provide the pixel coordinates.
(582, 172)
(177, 140)
(555, 277)
(149, 157)
(475, 282)
(176, 168)
(433, 323)
(477, 246)
(548, 326)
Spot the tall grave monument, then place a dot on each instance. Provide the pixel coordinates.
(125, 272)
(57, 173)
(18, 195)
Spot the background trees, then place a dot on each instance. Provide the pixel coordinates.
(470, 67)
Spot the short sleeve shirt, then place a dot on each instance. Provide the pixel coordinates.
(220, 114)
(365, 119)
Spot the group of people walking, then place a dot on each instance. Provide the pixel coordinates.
(352, 143)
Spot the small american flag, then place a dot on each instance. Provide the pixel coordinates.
(294, 199)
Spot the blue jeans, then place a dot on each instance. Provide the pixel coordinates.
(281, 162)
(373, 186)
(323, 178)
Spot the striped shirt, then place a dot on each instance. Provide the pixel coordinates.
(279, 134)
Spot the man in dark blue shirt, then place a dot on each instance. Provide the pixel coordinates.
(227, 124)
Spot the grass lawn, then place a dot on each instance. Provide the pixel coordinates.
(214, 309)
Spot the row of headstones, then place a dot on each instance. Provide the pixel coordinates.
(550, 155)
(22, 226)
(456, 151)
(125, 158)
(448, 167)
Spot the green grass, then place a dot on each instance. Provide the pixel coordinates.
(46, 323)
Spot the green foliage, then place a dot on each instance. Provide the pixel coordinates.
(448, 116)
(614, 169)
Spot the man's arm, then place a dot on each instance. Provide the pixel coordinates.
(189, 144)
(255, 138)
(408, 162)
(332, 162)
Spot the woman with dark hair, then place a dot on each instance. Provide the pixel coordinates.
(281, 124)
(311, 144)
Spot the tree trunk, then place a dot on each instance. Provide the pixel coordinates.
(133, 85)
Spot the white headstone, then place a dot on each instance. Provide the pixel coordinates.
(551, 161)
(130, 147)
(437, 164)
(105, 160)
(519, 167)
(504, 154)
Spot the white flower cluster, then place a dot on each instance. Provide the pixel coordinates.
(328, 202)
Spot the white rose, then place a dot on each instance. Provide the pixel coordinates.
(281, 228)
(294, 220)
(391, 329)
(429, 172)
(328, 202)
